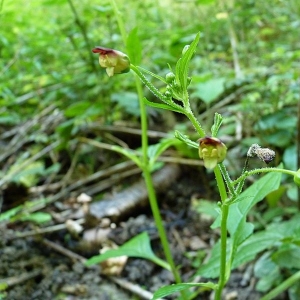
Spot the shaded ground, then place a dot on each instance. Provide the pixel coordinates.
(53, 275)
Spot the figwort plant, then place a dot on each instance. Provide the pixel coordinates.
(234, 204)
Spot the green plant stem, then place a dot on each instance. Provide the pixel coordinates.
(282, 287)
(150, 187)
(189, 114)
(223, 249)
(145, 162)
(263, 170)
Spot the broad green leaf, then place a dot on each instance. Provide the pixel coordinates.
(170, 289)
(240, 230)
(139, 246)
(128, 101)
(37, 217)
(10, 213)
(210, 90)
(267, 272)
(212, 268)
(258, 242)
(134, 47)
(182, 65)
(77, 109)
(287, 256)
(252, 195)
(28, 175)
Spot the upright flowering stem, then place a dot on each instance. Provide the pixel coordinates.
(150, 187)
(224, 217)
(146, 168)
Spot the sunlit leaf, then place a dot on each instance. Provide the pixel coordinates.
(139, 246)
(134, 47)
(174, 288)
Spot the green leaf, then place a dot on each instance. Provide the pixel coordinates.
(164, 106)
(10, 213)
(170, 289)
(154, 151)
(267, 272)
(131, 154)
(128, 101)
(212, 268)
(77, 109)
(139, 246)
(240, 230)
(37, 217)
(28, 175)
(210, 90)
(134, 47)
(258, 242)
(287, 256)
(182, 65)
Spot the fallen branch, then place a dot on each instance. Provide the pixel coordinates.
(134, 197)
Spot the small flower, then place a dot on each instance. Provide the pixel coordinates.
(212, 151)
(114, 61)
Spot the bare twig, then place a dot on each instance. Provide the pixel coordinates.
(39, 231)
(123, 129)
(11, 281)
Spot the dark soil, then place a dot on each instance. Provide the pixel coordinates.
(55, 276)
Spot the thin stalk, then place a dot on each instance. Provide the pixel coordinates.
(223, 249)
(145, 164)
(195, 123)
(150, 187)
(263, 170)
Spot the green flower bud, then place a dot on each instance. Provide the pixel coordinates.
(297, 177)
(168, 94)
(212, 151)
(170, 77)
(114, 61)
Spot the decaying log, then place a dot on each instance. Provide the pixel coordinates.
(135, 197)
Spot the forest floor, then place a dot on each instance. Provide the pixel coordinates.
(51, 266)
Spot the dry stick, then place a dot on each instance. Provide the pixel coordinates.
(21, 131)
(101, 186)
(134, 131)
(96, 176)
(135, 289)
(11, 281)
(40, 231)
